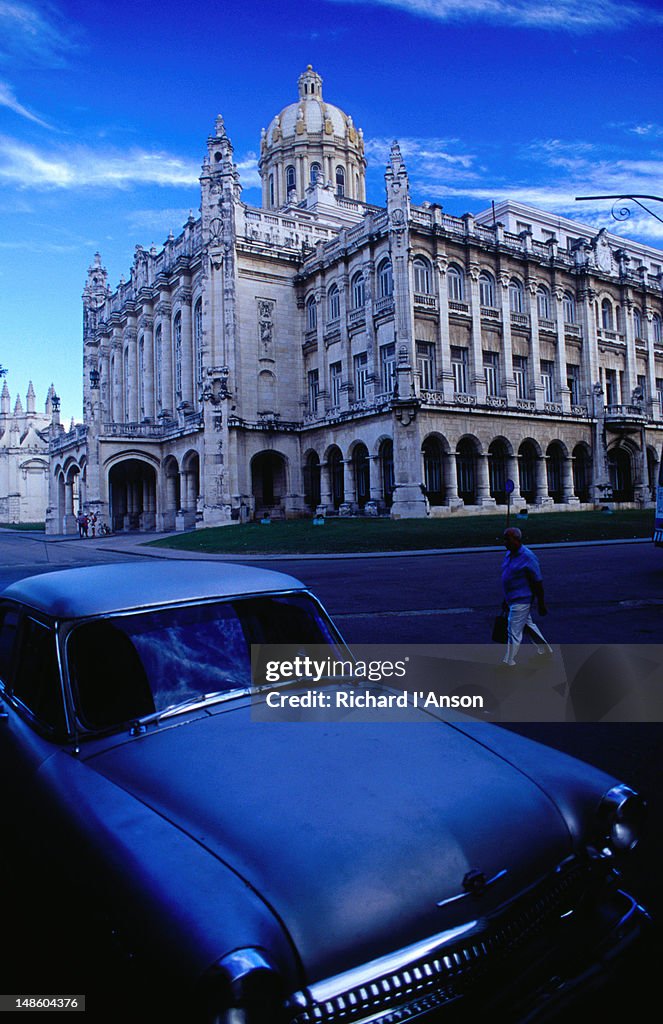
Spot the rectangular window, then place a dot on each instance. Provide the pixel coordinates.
(611, 394)
(522, 225)
(361, 374)
(459, 369)
(491, 370)
(388, 368)
(659, 396)
(520, 376)
(573, 382)
(548, 380)
(335, 385)
(642, 384)
(313, 390)
(426, 364)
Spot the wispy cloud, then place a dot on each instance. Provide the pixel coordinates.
(83, 167)
(76, 166)
(545, 173)
(9, 100)
(556, 15)
(34, 34)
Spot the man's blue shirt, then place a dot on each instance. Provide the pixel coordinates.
(517, 570)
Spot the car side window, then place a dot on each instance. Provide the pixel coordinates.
(36, 681)
(9, 619)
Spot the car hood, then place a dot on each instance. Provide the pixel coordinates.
(351, 832)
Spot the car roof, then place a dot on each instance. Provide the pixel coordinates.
(103, 589)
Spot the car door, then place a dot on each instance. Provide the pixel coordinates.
(32, 722)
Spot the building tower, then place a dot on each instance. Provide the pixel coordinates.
(310, 140)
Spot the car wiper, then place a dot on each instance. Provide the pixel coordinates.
(190, 704)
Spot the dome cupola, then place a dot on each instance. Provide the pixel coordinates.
(307, 141)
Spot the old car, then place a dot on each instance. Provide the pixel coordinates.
(328, 872)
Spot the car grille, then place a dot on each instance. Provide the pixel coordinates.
(426, 983)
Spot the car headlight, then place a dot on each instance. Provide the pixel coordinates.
(621, 816)
(242, 988)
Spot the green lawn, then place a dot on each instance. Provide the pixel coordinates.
(24, 526)
(300, 536)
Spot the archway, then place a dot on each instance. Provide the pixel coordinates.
(555, 471)
(466, 470)
(336, 483)
(360, 466)
(620, 468)
(582, 472)
(498, 454)
(132, 489)
(433, 470)
(386, 456)
(312, 490)
(527, 460)
(268, 481)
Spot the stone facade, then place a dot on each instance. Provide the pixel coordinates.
(24, 457)
(322, 353)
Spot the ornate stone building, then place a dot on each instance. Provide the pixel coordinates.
(323, 351)
(24, 457)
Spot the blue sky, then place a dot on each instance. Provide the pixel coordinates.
(105, 109)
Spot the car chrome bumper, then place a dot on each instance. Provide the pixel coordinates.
(527, 971)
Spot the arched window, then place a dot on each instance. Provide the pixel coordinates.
(637, 323)
(158, 367)
(657, 329)
(569, 308)
(340, 181)
(272, 197)
(177, 331)
(607, 320)
(516, 295)
(456, 283)
(315, 172)
(290, 178)
(433, 470)
(198, 339)
(312, 480)
(333, 303)
(422, 276)
(358, 291)
(311, 313)
(385, 279)
(336, 481)
(113, 410)
(543, 303)
(487, 289)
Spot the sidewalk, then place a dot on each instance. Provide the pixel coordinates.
(137, 544)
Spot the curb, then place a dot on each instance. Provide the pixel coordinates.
(140, 549)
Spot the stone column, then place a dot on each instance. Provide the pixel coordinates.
(542, 492)
(536, 386)
(188, 360)
(483, 482)
(444, 372)
(478, 375)
(509, 384)
(647, 317)
(374, 482)
(451, 481)
(131, 385)
(117, 360)
(568, 494)
(348, 482)
(325, 486)
(164, 311)
(148, 366)
(590, 350)
(560, 354)
(514, 474)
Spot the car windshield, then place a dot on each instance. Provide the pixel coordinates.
(128, 666)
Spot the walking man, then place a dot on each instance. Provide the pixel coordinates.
(523, 586)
